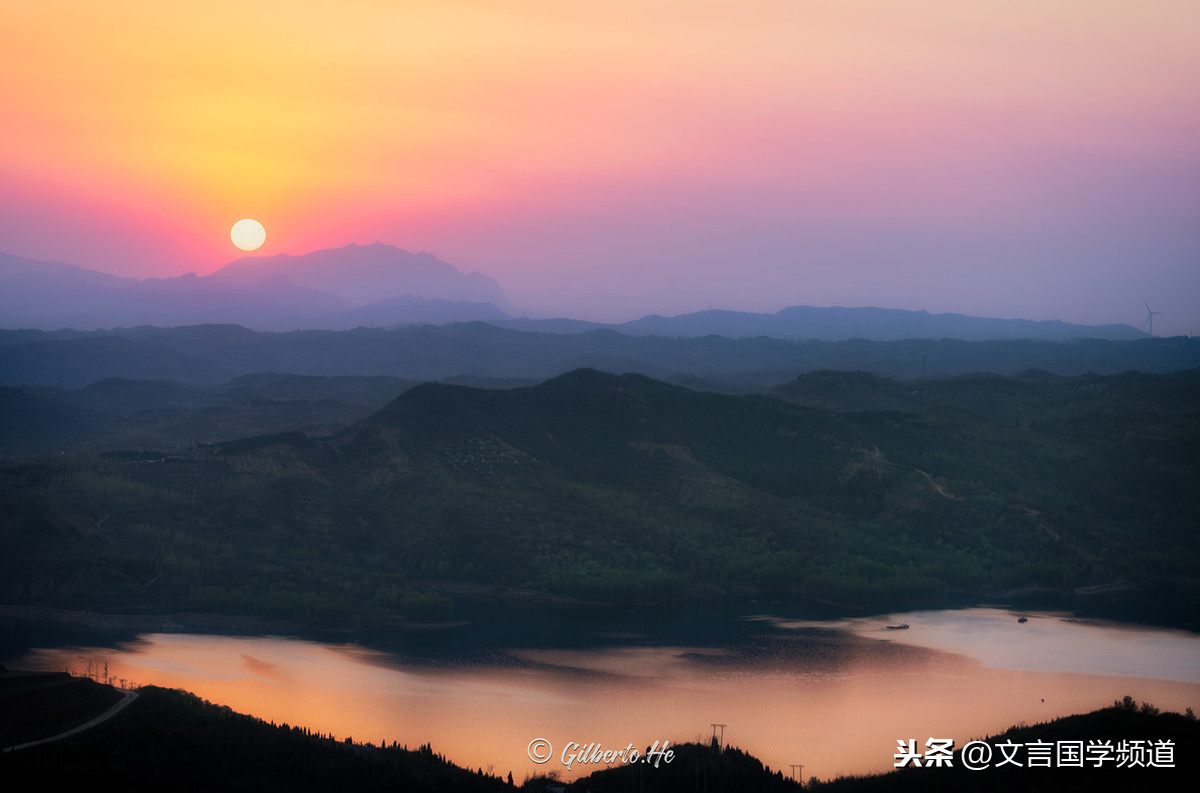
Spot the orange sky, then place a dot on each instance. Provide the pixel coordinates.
(547, 142)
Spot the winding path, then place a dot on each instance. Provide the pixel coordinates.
(126, 698)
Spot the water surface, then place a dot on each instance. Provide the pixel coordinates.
(833, 696)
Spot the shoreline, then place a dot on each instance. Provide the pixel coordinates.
(200, 622)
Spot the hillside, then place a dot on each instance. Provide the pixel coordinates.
(117, 414)
(172, 739)
(1169, 761)
(622, 489)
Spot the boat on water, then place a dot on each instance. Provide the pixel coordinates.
(901, 627)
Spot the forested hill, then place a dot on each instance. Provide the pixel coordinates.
(172, 740)
(619, 489)
(630, 431)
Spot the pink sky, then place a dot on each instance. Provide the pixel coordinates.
(610, 159)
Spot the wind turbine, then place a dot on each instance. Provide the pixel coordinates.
(1150, 316)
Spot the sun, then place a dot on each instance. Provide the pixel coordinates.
(248, 234)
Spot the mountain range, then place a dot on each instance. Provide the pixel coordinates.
(612, 488)
(381, 286)
(209, 355)
(358, 285)
(838, 323)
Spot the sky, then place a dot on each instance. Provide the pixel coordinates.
(608, 159)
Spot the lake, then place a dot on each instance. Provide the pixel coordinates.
(833, 695)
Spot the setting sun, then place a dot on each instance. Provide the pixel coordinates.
(248, 234)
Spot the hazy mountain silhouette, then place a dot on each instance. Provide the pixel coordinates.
(379, 285)
(55, 295)
(412, 310)
(837, 324)
(383, 286)
(209, 355)
(363, 274)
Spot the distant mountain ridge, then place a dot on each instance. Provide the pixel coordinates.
(379, 285)
(803, 323)
(209, 355)
(374, 285)
(363, 274)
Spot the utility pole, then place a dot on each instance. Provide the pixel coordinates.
(801, 767)
(721, 744)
